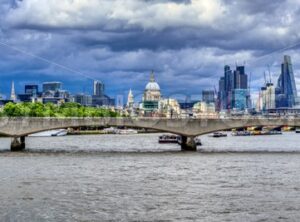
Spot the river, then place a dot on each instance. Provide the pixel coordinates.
(133, 178)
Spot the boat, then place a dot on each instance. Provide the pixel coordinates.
(218, 134)
(110, 130)
(113, 130)
(59, 132)
(166, 138)
(241, 133)
(126, 131)
(257, 133)
(271, 132)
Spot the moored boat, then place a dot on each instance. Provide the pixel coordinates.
(126, 131)
(218, 134)
(166, 138)
(241, 133)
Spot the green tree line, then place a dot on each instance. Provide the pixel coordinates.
(52, 110)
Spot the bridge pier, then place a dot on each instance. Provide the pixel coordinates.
(188, 143)
(17, 144)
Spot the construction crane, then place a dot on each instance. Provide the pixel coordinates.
(270, 75)
(265, 78)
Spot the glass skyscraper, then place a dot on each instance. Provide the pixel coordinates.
(98, 88)
(233, 89)
(286, 86)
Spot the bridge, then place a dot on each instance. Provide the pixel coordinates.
(20, 127)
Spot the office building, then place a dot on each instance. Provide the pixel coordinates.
(99, 98)
(233, 91)
(208, 96)
(32, 90)
(82, 99)
(267, 98)
(51, 86)
(286, 86)
(98, 88)
(240, 99)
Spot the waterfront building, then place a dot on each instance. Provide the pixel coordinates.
(151, 97)
(53, 93)
(99, 98)
(82, 99)
(203, 110)
(287, 91)
(32, 90)
(51, 86)
(103, 101)
(31, 94)
(169, 108)
(13, 96)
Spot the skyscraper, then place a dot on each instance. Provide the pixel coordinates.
(221, 104)
(99, 98)
(233, 89)
(208, 96)
(98, 88)
(240, 78)
(286, 85)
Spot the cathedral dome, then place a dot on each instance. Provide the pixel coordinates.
(152, 85)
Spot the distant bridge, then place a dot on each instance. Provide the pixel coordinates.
(20, 127)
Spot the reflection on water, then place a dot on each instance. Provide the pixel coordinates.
(133, 178)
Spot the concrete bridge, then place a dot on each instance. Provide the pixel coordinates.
(19, 128)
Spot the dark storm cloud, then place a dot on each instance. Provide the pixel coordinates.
(185, 42)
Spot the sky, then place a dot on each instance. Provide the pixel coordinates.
(186, 43)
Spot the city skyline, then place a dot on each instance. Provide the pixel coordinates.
(232, 79)
(186, 54)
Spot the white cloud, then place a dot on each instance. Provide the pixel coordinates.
(113, 14)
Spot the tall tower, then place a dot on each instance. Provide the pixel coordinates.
(130, 99)
(13, 92)
(286, 84)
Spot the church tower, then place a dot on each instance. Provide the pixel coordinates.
(130, 99)
(13, 96)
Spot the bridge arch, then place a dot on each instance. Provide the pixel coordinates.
(187, 128)
(238, 127)
(27, 133)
